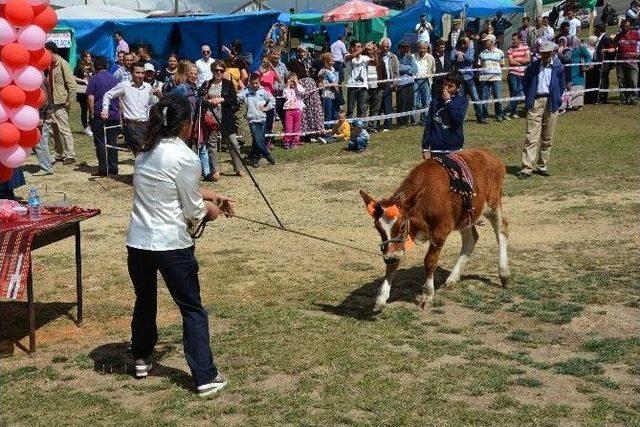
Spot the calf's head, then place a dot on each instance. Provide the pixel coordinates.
(392, 222)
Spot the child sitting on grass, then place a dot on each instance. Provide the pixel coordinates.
(341, 131)
(359, 137)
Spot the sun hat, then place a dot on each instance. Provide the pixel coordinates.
(149, 67)
(547, 47)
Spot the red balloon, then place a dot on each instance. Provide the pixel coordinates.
(36, 98)
(29, 138)
(41, 59)
(9, 135)
(5, 173)
(47, 19)
(15, 55)
(39, 8)
(19, 12)
(12, 96)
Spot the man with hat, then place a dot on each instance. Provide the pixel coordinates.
(408, 68)
(423, 28)
(454, 34)
(491, 61)
(156, 85)
(543, 85)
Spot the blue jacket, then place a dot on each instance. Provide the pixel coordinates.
(556, 86)
(407, 67)
(466, 63)
(444, 128)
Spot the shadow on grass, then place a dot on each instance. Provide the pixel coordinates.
(15, 321)
(116, 358)
(406, 287)
(513, 170)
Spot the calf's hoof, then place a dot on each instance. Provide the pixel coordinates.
(505, 280)
(424, 301)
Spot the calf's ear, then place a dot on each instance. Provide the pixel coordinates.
(367, 198)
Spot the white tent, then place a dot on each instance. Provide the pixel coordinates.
(98, 12)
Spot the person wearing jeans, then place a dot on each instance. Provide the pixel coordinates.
(43, 154)
(422, 85)
(358, 81)
(462, 59)
(168, 210)
(258, 102)
(519, 57)
(491, 61)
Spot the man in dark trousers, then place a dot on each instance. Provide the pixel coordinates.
(543, 85)
(444, 127)
(500, 25)
(443, 65)
(605, 51)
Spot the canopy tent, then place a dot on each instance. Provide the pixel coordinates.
(372, 30)
(183, 36)
(403, 25)
(98, 12)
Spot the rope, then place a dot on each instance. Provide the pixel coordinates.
(308, 236)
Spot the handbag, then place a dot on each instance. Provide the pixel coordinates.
(210, 121)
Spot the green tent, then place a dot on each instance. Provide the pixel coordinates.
(372, 30)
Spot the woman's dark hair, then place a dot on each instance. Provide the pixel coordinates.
(166, 119)
(85, 53)
(173, 55)
(254, 76)
(218, 63)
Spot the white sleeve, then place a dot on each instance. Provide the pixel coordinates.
(115, 92)
(187, 181)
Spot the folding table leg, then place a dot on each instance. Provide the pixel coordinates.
(32, 311)
(78, 273)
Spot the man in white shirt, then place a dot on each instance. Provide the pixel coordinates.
(338, 51)
(574, 23)
(135, 99)
(156, 85)
(358, 82)
(204, 66)
(422, 29)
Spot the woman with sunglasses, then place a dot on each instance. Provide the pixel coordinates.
(222, 97)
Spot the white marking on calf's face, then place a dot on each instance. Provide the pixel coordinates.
(387, 225)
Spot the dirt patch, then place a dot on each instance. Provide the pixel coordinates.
(280, 382)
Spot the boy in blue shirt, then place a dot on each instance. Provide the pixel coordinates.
(359, 137)
(444, 127)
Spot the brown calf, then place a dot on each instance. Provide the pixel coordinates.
(423, 208)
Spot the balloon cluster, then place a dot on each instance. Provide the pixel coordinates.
(23, 31)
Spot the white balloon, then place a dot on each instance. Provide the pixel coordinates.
(28, 78)
(32, 37)
(6, 75)
(7, 32)
(4, 114)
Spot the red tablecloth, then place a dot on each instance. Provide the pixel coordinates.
(15, 245)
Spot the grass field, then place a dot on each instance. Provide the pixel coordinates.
(291, 318)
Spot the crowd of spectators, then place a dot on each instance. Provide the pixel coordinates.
(315, 93)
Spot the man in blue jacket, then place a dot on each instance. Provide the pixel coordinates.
(444, 127)
(543, 85)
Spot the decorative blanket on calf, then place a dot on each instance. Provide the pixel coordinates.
(15, 245)
(460, 178)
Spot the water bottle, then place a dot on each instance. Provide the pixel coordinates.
(34, 204)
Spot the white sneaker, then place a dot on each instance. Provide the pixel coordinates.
(324, 141)
(142, 368)
(88, 131)
(218, 383)
(314, 140)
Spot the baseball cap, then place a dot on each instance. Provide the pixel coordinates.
(149, 67)
(547, 47)
(489, 37)
(404, 43)
(358, 124)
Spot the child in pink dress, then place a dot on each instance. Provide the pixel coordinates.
(293, 105)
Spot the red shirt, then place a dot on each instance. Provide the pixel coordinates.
(519, 54)
(267, 81)
(627, 44)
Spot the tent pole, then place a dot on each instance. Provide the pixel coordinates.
(175, 8)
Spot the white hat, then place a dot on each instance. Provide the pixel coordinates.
(149, 67)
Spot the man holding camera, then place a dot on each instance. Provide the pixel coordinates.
(423, 28)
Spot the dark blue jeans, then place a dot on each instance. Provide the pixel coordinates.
(269, 124)
(179, 269)
(470, 89)
(386, 105)
(515, 89)
(422, 96)
(330, 111)
(97, 126)
(258, 147)
(494, 88)
(339, 67)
